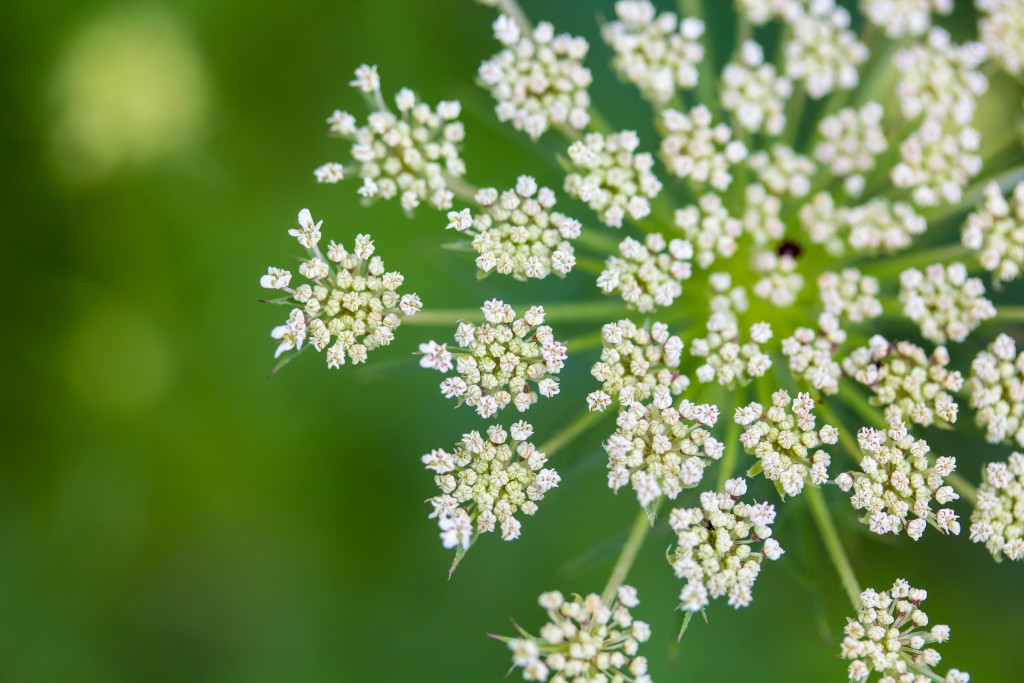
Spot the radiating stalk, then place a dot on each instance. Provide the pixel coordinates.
(636, 537)
(569, 433)
(1008, 314)
(589, 311)
(829, 535)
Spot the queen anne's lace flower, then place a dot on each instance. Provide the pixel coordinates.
(910, 384)
(715, 547)
(783, 439)
(659, 449)
(498, 361)
(783, 171)
(810, 353)
(998, 517)
(938, 160)
(881, 225)
(1002, 32)
(485, 481)
(710, 228)
(637, 359)
(612, 178)
(850, 295)
(648, 274)
(997, 391)
(899, 18)
(726, 361)
(760, 12)
(349, 298)
(996, 232)
(780, 281)
(851, 141)
(538, 79)
(944, 301)
(657, 53)
(754, 92)
(889, 637)
(695, 149)
(584, 640)
(940, 80)
(407, 155)
(898, 479)
(822, 51)
(762, 218)
(517, 232)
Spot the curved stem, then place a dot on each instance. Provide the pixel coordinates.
(829, 535)
(629, 551)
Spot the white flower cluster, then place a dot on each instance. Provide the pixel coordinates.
(634, 361)
(851, 141)
(1002, 32)
(998, 517)
(518, 234)
(997, 391)
(940, 80)
(762, 215)
(710, 228)
(692, 148)
(409, 155)
(659, 449)
(754, 92)
(498, 360)
(897, 479)
(760, 12)
(585, 640)
(889, 636)
(782, 439)
(715, 547)
(878, 225)
(780, 282)
(944, 301)
(901, 18)
(350, 298)
(656, 52)
(612, 178)
(486, 481)
(810, 353)
(996, 232)
(783, 171)
(910, 384)
(725, 359)
(822, 51)
(538, 79)
(850, 295)
(648, 273)
(938, 160)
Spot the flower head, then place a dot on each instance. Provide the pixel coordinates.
(613, 178)
(635, 360)
(996, 232)
(997, 391)
(648, 273)
(998, 517)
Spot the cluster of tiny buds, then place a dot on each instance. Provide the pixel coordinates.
(996, 232)
(517, 232)
(780, 282)
(648, 273)
(710, 228)
(850, 295)
(822, 52)
(851, 141)
(656, 52)
(890, 635)
(485, 481)
(997, 391)
(612, 177)
(715, 549)
(498, 360)
(660, 449)
(909, 383)
(726, 361)
(634, 361)
(754, 93)
(539, 79)
(944, 301)
(783, 438)
(901, 18)
(694, 149)
(409, 155)
(810, 353)
(998, 517)
(897, 479)
(586, 640)
(1001, 28)
(350, 298)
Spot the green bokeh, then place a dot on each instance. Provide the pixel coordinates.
(170, 513)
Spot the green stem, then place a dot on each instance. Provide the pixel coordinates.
(963, 487)
(914, 259)
(571, 431)
(636, 537)
(827, 527)
(590, 311)
(1008, 314)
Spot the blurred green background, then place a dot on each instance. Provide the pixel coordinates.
(170, 513)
